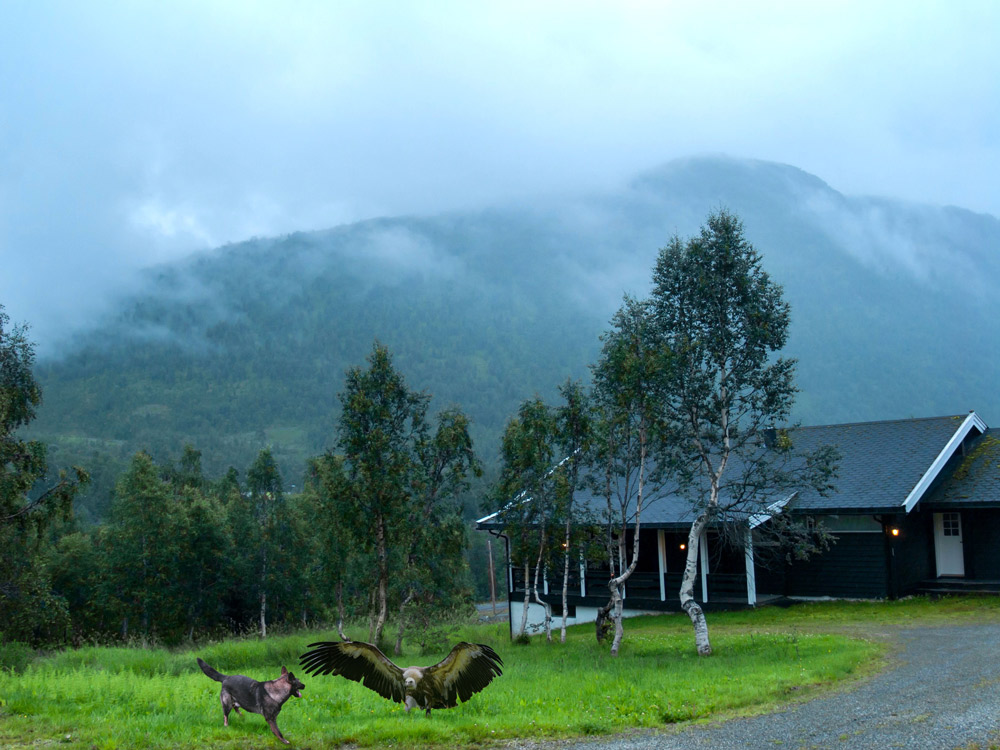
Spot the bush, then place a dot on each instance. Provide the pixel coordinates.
(14, 656)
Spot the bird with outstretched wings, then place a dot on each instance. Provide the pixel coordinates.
(469, 668)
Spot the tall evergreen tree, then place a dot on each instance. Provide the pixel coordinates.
(27, 507)
(328, 499)
(143, 551)
(266, 503)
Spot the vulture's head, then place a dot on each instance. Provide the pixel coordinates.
(412, 677)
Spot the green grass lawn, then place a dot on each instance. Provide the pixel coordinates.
(158, 698)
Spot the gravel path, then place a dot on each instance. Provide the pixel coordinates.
(941, 691)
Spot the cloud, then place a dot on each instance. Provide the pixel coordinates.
(132, 133)
(153, 217)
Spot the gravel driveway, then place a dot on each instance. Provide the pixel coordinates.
(942, 690)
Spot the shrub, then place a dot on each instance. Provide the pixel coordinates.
(15, 656)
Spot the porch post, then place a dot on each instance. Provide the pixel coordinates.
(661, 543)
(703, 553)
(751, 575)
(510, 572)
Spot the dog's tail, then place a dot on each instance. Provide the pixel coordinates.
(217, 676)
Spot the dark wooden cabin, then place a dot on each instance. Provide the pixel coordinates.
(916, 509)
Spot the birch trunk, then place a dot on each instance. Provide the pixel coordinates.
(382, 591)
(263, 613)
(340, 611)
(565, 588)
(617, 585)
(527, 599)
(545, 605)
(263, 594)
(688, 604)
(402, 624)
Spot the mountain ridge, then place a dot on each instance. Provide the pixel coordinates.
(246, 345)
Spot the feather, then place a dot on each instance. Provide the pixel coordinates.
(469, 668)
(356, 661)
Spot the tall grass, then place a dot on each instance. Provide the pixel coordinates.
(110, 698)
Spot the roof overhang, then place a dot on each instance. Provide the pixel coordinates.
(773, 509)
(973, 421)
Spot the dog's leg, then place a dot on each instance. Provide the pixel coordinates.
(277, 732)
(227, 706)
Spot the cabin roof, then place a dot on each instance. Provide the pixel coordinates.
(973, 480)
(885, 467)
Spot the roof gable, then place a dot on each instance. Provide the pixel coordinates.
(975, 478)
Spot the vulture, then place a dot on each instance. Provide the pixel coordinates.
(469, 668)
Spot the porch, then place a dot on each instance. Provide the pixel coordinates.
(644, 591)
(947, 585)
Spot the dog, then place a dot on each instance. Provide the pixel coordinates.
(264, 698)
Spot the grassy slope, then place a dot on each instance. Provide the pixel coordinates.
(116, 697)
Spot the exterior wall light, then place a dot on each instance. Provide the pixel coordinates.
(894, 531)
(684, 546)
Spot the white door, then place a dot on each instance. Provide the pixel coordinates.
(948, 544)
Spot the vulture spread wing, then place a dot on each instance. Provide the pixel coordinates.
(469, 668)
(356, 661)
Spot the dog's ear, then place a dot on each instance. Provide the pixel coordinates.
(284, 671)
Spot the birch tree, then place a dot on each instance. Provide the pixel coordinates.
(531, 483)
(402, 480)
(573, 430)
(429, 581)
(720, 321)
(380, 420)
(627, 390)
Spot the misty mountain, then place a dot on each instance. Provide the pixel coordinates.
(247, 345)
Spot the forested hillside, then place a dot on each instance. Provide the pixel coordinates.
(246, 346)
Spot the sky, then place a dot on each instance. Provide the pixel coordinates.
(136, 133)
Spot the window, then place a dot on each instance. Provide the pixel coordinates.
(951, 524)
(848, 523)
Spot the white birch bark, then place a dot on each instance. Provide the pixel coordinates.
(688, 603)
(617, 584)
(545, 605)
(565, 588)
(527, 599)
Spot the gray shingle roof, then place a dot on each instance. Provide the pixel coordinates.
(974, 480)
(882, 465)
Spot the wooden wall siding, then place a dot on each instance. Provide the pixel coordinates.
(854, 566)
(770, 574)
(914, 550)
(981, 532)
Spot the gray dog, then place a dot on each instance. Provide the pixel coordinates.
(264, 698)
